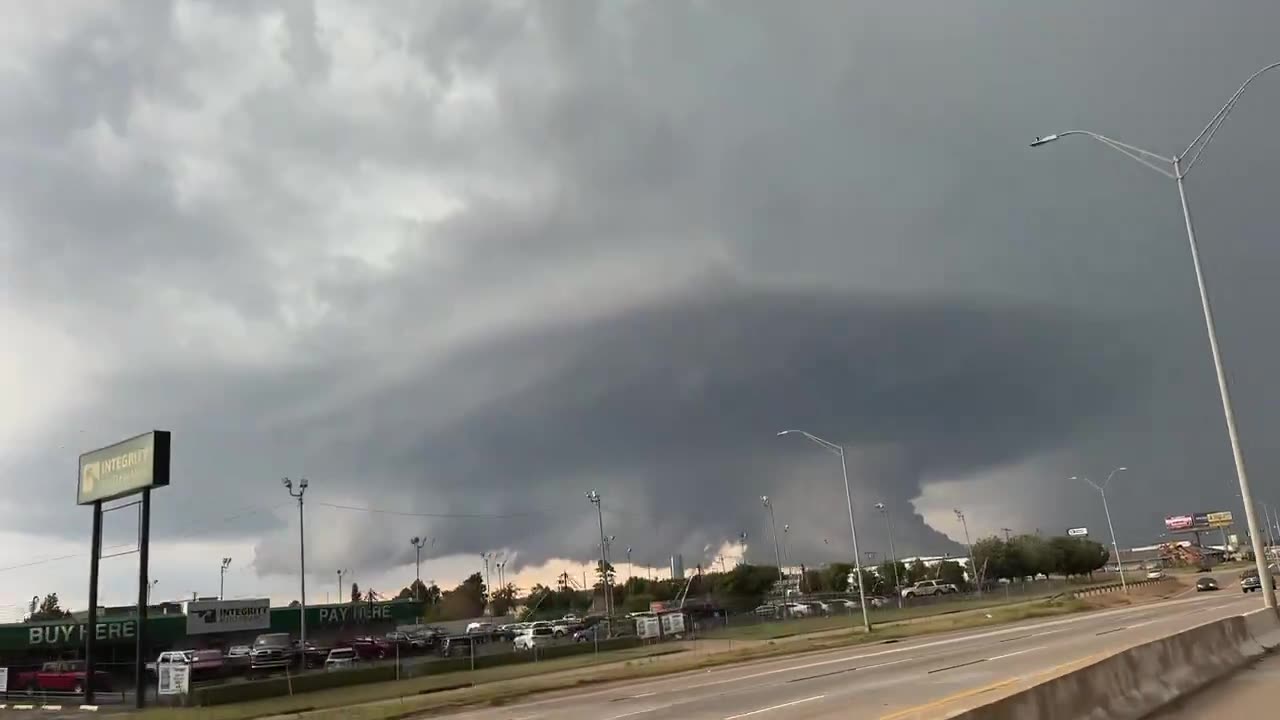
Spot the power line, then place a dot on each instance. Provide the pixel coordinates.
(428, 515)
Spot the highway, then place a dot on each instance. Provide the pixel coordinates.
(907, 679)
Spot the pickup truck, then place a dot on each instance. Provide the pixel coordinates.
(66, 676)
(929, 588)
(272, 652)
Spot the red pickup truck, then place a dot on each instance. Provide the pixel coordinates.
(65, 676)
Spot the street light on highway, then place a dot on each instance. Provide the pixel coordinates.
(222, 576)
(594, 498)
(973, 569)
(853, 527)
(774, 527)
(418, 543)
(302, 556)
(1102, 490)
(1176, 169)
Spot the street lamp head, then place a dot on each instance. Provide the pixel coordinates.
(1044, 140)
(1121, 469)
(785, 432)
(287, 483)
(880, 506)
(414, 540)
(302, 484)
(764, 499)
(786, 527)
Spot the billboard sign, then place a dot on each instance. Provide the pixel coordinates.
(221, 616)
(1078, 532)
(125, 468)
(4, 679)
(1197, 522)
(1219, 519)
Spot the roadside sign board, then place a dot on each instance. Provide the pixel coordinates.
(1197, 522)
(4, 680)
(220, 616)
(1078, 532)
(173, 679)
(1219, 519)
(125, 468)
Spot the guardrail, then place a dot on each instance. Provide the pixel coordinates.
(1104, 589)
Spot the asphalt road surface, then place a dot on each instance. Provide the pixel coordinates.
(1248, 693)
(916, 678)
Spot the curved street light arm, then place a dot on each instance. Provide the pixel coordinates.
(1206, 135)
(827, 444)
(1146, 157)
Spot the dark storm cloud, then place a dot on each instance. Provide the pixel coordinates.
(904, 275)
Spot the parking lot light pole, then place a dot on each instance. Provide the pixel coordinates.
(973, 569)
(1102, 490)
(1176, 169)
(893, 554)
(340, 595)
(302, 556)
(853, 527)
(222, 577)
(418, 543)
(594, 498)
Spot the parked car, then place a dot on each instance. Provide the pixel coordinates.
(929, 588)
(534, 637)
(1206, 583)
(1155, 574)
(586, 634)
(563, 628)
(770, 611)
(272, 652)
(238, 651)
(480, 627)
(405, 641)
(64, 676)
(341, 659)
(204, 664)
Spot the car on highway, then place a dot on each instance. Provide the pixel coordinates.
(341, 659)
(1155, 574)
(1250, 582)
(1206, 583)
(929, 588)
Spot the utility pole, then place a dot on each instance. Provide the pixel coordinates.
(776, 552)
(222, 577)
(302, 556)
(1006, 533)
(973, 569)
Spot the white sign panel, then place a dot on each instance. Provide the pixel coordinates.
(222, 616)
(1078, 532)
(648, 627)
(173, 679)
(4, 680)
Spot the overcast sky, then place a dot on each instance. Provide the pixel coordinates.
(460, 262)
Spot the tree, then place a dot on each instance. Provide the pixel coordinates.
(991, 553)
(891, 573)
(465, 601)
(355, 593)
(417, 590)
(49, 609)
(917, 571)
(838, 576)
(949, 571)
(295, 604)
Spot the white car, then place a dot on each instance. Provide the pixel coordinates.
(1155, 574)
(798, 610)
(341, 659)
(929, 588)
(533, 637)
(480, 627)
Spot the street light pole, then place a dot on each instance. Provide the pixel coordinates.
(594, 498)
(973, 569)
(853, 527)
(628, 563)
(340, 574)
(418, 543)
(1175, 169)
(222, 576)
(776, 553)
(893, 553)
(302, 556)
(1102, 490)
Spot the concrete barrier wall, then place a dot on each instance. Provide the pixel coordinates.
(1140, 680)
(1115, 587)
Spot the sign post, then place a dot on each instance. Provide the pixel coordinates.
(131, 466)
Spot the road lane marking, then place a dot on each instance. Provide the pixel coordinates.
(1019, 652)
(775, 707)
(959, 665)
(1112, 630)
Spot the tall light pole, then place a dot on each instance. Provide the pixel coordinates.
(628, 563)
(1176, 169)
(302, 555)
(853, 527)
(594, 498)
(1102, 490)
(777, 554)
(488, 589)
(222, 576)
(742, 542)
(418, 543)
(152, 586)
(786, 543)
(340, 574)
(893, 553)
(973, 569)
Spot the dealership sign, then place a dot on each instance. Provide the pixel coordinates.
(1077, 532)
(1219, 519)
(73, 634)
(220, 616)
(125, 468)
